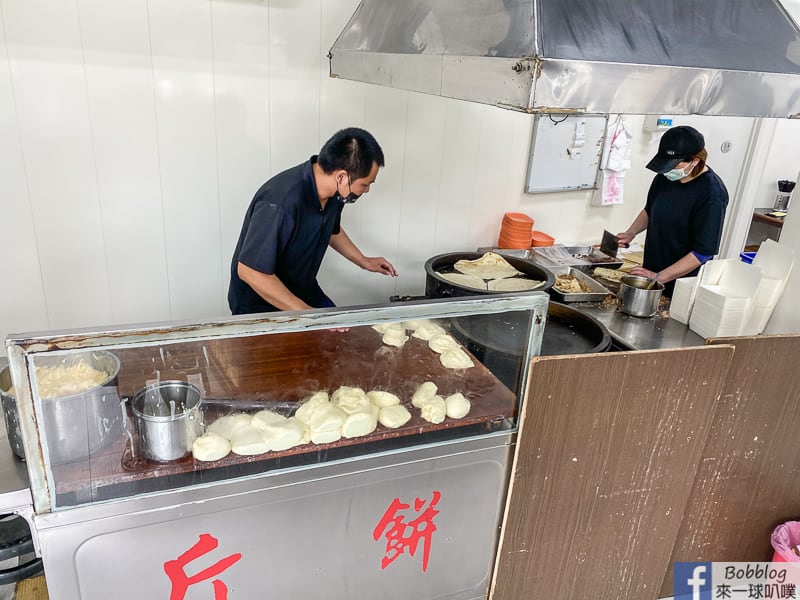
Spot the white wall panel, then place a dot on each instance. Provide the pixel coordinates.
(418, 207)
(47, 71)
(241, 99)
(182, 64)
(459, 172)
(294, 29)
(119, 80)
(22, 303)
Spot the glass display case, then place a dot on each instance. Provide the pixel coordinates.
(120, 413)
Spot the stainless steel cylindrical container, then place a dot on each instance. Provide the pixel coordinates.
(167, 419)
(635, 299)
(11, 414)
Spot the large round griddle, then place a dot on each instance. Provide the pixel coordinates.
(438, 287)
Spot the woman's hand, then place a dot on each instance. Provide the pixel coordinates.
(642, 272)
(625, 238)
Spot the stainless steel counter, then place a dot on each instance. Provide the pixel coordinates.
(637, 333)
(15, 494)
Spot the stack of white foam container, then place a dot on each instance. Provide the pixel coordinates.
(723, 305)
(730, 297)
(776, 262)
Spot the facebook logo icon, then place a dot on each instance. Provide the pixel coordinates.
(692, 581)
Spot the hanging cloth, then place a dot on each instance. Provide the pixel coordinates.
(614, 162)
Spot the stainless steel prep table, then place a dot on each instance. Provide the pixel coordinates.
(638, 333)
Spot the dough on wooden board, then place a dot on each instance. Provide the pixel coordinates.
(249, 441)
(394, 416)
(210, 446)
(440, 343)
(427, 330)
(395, 337)
(358, 424)
(306, 409)
(325, 437)
(457, 406)
(350, 399)
(382, 399)
(455, 358)
(267, 418)
(423, 392)
(434, 410)
(228, 425)
(326, 418)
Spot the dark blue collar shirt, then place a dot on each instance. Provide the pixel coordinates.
(285, 233)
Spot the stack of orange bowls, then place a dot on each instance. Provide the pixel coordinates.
(540, 239)
(515, 231)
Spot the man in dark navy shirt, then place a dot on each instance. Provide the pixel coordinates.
(684, 212)
(292, 220)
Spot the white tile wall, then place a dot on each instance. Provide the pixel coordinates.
(133, 135)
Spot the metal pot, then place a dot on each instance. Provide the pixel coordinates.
(634, 297)
(11, 414)
(438, 287)
(82, 423)
(167, 419)
(74, 426)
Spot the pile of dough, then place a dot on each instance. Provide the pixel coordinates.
(488, 266)
(434, 409)
(306, 409)
(440, 343)
(249, 441)
(382, 399)
(285, 435)
(395, 336)
(350, 400)
(457, 406)
(210, 446)
(427, 330)
(394, 416)
(464, 280)
(326, 423)
(513, 284)
(266, 418)
(455, 358)
(228, 425)
(360, 423)
(423, 392)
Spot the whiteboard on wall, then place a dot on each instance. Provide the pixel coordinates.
(565, 152)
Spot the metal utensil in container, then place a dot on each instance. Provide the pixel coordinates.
(635, 298)
(167, 419)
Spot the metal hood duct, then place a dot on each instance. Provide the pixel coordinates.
(708, 57)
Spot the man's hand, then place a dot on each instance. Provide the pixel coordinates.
(625, 238)
(378, 264)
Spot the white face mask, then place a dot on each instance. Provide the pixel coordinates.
(676, 174)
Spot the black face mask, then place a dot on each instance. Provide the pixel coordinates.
(351, 197)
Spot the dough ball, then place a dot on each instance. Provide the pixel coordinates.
(210, 446)
(384, 327)
(425, 391)
(306, 409)
(382, 399)
(267, 418)
(325, 437)
(249, 441)
(457, 406)
(427, 330)
(228, 425)
(434, 410)
(394, 416)
(283, 437)
(455, 358)
(326, 418)
(350, 400)
(413, 325)
(396, 338)
(360, 423)
(440, 343)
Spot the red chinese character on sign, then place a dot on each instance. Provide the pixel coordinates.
(401, 535)
(181, 581)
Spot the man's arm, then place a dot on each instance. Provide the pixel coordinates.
(342, 243)
(270, 288)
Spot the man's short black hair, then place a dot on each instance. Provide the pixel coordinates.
(351, 149)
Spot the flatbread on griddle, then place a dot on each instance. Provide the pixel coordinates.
(464, 280)
(488, 266)
(513, 284)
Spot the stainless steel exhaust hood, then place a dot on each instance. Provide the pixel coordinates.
(709, 57)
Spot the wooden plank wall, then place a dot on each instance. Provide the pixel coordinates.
(749, 476)
(607, 450)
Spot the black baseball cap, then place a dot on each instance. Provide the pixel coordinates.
(676, 145)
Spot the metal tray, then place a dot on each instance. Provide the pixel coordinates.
(583, 258)
(598, 293)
